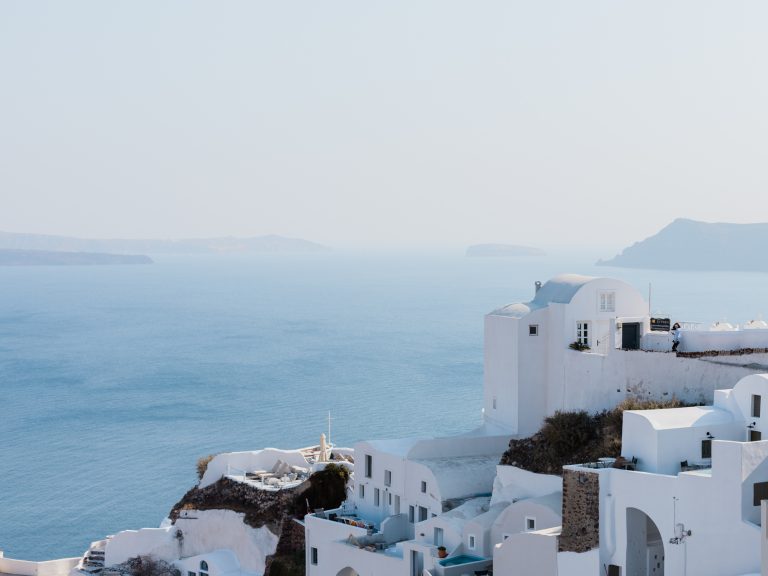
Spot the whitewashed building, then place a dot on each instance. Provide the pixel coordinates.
(688, 501)
(531, 370)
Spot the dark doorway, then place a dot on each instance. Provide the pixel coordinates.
(630, 335)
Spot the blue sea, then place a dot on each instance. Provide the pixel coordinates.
(115, 379)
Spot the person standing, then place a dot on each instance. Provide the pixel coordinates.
(675, 336)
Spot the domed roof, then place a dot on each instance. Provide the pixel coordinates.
(560, 289)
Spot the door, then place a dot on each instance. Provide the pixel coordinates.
(417, 563)
(438, 536)
(630, 335)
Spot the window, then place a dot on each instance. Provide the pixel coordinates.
(471, 541)
(376, 496)
(582, 333)
(368, 465)
(362, 491)
(203, 568)
(313, 555)
(387, 477)
(423, 513)
(191, 573)
(530, 523)
(411, 514)
(505, 536)
(494, 402)
(760, 493)
(390, 499)
(607, 301)
(755, 406)
(755, 436)
(438, 536)
(614, 570)
(423, 487)
(706, 448)
(533, 329)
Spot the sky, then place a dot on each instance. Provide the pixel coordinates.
(382, 124)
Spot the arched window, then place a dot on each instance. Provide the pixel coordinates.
(203, 568)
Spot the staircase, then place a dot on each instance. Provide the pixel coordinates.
(93, 560)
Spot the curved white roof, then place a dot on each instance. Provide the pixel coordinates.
(560, 289)
(691, 417)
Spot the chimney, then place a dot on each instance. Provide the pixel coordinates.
(538, 285)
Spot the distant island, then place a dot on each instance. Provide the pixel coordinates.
(502, 251)
(690, 245)
(52, 258)
(258, 244)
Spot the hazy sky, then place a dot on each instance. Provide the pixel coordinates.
(382, 124)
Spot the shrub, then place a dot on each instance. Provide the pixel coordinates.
(202, 465)
(580, 346)
(147, 566)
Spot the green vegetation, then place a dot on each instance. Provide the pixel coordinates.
(576, 437)
(579, 346)
(287, 565)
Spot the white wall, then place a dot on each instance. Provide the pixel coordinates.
(408, 474)
(513, 483)
(662, 451)
(249, 461)
(59, 567)
(706, 340)
(710, 506)
(334, 554)
(531, 377)
(527, 554)
(742, 399)
(500, 380)
(219, 562)
(209, 530)
(512, 519)
(574, 564)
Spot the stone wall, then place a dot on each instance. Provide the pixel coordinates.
(581, 511)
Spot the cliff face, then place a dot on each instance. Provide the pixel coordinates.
(277, 510)
(691, 245)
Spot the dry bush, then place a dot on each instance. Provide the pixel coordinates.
(202, 465)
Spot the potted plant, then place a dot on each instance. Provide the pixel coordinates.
(442, 552)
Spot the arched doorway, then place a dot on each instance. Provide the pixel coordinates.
(347, 572)
(645, 548)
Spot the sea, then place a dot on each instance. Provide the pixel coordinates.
(114, 380)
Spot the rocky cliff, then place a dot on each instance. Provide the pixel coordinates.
(691, 245)
(277, 510)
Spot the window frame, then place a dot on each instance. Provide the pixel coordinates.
(530, 523)
(706, 448)
(313, 554)
(387, 477)
(756, 405)
(471, 542)
(606, 301)
(361, 491)
(376, 497)
(759, 492)
(423, 486)
(368, 465)
(583, 331)
(533, 329)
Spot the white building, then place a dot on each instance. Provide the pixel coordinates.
(688, 502)
(531, 371)
(409, 497)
